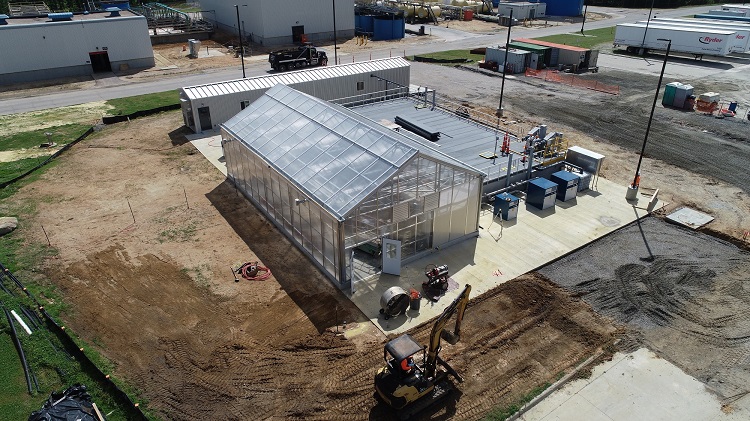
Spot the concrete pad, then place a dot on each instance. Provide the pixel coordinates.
(209, 144)
(690, 218)
(634, 386)
(503, 251)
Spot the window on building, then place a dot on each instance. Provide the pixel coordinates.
(360, 86)
(244, 104)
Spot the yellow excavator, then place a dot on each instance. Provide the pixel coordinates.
(410, 387)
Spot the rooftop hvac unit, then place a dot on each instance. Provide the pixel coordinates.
(113, 12)
(59, 17)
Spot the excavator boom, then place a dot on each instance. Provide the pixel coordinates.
(457, 307)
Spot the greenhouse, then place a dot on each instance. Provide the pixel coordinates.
(333, 181)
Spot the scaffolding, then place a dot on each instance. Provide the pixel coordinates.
(162, 16)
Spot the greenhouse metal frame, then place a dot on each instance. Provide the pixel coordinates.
(332, 180)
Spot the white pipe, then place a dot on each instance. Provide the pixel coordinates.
(21, 322)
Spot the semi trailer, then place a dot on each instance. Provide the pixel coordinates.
(741, 36)
(695, 41)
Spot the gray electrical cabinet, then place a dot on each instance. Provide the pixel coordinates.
(507, 205)
(541, 193)
(567, 184)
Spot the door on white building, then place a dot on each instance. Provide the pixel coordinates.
(391, 256)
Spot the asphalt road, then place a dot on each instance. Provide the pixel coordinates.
(449, 39)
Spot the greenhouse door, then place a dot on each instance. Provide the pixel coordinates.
(391, 257)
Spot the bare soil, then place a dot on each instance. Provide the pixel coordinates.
(153, 292)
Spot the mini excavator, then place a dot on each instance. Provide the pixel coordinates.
(422, 385)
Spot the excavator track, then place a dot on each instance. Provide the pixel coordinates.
(441, 392)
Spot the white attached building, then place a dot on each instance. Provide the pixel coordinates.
(278, 22)
(67, 44)
(204, 107)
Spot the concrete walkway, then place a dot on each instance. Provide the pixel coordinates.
(637, 386)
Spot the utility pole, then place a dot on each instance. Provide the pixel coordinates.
(239, 32)
(499, 112)
(335, 48)
(585, 9)
(632, 192)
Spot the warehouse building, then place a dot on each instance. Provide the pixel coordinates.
(204, 107)
(278, 22)
(332, 181)
(59, 45)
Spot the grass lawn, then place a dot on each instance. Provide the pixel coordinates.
(131, 104)
(15, 401)
(61, 135)
(452, 55)
(590, 39)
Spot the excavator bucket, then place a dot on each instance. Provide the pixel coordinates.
(449, 337)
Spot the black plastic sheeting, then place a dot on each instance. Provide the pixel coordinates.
(72, 404)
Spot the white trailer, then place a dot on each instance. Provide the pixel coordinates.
(739, 44)
(740, 8)
(695, 41)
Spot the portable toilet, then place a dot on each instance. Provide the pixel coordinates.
(567, 184)
(681, 95)
(507, 205)
(669, 92)
(541, 193)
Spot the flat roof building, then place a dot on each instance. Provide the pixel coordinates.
(59, 45)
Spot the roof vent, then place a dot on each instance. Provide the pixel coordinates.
(2, 19)
(113, 12)
(59, 17)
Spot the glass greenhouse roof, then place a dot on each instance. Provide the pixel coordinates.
(336, 156)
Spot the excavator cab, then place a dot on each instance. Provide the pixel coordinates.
(401, 349)
(410, 391)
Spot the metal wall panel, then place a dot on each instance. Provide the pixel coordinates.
(50, 45)
(324, 84)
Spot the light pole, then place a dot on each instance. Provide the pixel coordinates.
(239, 31)
(632, 192)
(499, 112)
(335, 48)
(647, 22)
(585, 9)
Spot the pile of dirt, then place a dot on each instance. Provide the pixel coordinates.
(156, 297)
(673, 286)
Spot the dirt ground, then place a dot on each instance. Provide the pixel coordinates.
(157, 298)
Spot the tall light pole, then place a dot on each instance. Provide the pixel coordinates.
(335, 48)
(239, 31)
(647, 22)
(585, 9)
(633, 189)
(499, 112)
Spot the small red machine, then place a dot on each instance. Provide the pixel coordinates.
(437, 277)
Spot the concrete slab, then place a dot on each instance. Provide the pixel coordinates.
(635, 386)
(209, 144)
(503, 251)
(690, 218)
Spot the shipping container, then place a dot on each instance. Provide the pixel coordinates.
(543, 54)
(696, 41)
(522, 10)
(517, 60)
(567, 55)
